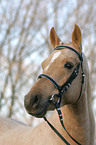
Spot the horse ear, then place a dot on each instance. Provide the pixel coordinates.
(76, 37)
(55, 41)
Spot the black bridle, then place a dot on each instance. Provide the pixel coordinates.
(62, 89)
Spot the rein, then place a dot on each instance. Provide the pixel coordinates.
(62, 89)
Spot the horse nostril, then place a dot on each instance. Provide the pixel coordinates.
(35, 102)
(31, 102)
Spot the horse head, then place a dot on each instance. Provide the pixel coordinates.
(59, 66)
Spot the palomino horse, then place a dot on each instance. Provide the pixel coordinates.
(67, 67)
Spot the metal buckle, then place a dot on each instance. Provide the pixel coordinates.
(54, 99)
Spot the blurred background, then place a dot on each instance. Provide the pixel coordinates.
(24, 43)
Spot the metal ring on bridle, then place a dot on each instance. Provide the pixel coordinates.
(58, 100)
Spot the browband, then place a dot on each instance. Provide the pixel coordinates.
(64, 46)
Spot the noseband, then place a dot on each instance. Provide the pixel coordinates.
(62, 89)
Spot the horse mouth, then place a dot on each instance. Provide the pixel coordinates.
(42, 110)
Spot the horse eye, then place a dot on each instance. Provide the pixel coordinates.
(68, 65)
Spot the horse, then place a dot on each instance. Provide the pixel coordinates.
(68, 68)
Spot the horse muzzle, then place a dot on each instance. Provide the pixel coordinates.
(36, 106)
